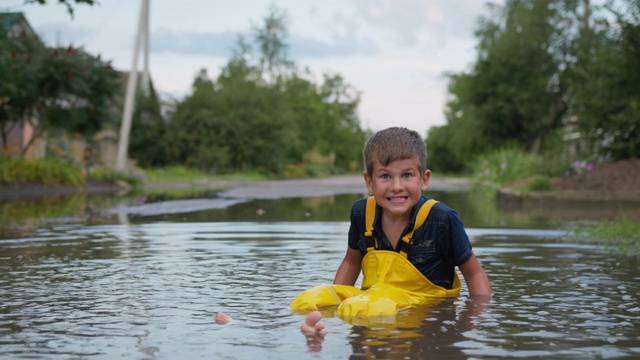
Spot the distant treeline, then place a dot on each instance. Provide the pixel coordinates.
(548, 73)
(261, 113)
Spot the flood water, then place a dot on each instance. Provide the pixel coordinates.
(141, 284)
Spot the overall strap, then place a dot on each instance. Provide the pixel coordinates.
(407, 239)
(369, 216)
(423, 213)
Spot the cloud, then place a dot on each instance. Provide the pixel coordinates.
(190, 43)
(223, 43)
(403, 20)
(407, 23)
(302, 47)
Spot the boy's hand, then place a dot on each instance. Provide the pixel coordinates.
(314, 331)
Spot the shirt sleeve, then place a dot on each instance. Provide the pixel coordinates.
(460, 244)
(357, 224)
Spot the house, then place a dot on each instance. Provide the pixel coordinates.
(17, 134)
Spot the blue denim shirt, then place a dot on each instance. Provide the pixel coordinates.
(440, 244)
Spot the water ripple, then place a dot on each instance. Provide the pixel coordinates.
(151, 290)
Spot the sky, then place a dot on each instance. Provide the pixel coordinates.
(395, 53)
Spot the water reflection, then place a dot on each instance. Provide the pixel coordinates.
(419, 332)
(477, 209)
(151, 289)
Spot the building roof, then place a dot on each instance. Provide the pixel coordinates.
(14, 24)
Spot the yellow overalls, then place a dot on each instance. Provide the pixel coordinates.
(390, 282)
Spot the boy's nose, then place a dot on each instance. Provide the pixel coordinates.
(396, 183)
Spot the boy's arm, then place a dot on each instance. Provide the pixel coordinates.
(475, 277)
(349, 269)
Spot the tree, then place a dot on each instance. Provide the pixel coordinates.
(149, 131)
(451, 146)
(271, 39)
(67, 3)
(53, 88)
(342, 133)
(195, 136)
(326, 118)
(514, 95)
(20, 54)
(517, 86)
(540, 65)
(607, 89)
(261, 114)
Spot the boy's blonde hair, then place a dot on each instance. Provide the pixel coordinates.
(395, 143)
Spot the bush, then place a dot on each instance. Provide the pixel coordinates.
(506, 165)
(297, 170)
(540, 183)
(40, 171)
(55, 171)
(133, 177)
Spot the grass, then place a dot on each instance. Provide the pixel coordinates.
(133, 177)
(502, 166)
(40, 171)
(181, 174)
(531, 184)
(539, 183)
(621, 235)
(53, 171)
(521, 171)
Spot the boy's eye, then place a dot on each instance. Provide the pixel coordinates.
(384, 176)
(407, 175)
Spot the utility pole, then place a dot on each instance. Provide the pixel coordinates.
(127, 112)
(146, 84)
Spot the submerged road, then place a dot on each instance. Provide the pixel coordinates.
(234, 192)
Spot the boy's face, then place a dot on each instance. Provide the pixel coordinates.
(397, 186)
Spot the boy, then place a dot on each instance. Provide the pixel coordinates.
(396, 244)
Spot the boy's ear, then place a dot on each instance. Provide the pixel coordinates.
(368, 182)
(425, 179)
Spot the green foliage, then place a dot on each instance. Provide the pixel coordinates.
(180, 173)
(54, 171)
(40, 171)
(149, 131)
(271, 39)
(173, 173)
(67, 3)
(506, 165)
(515, 83)
(260, 115)
(540, 183)
(19, 55)
(242, 125)
(449, 150)
(339, 129)
(542, 66)
(75, 91)
(620, 235)
(297, 170)
(132, 177)
(53, 88)
(535, 183)
(607, 101)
